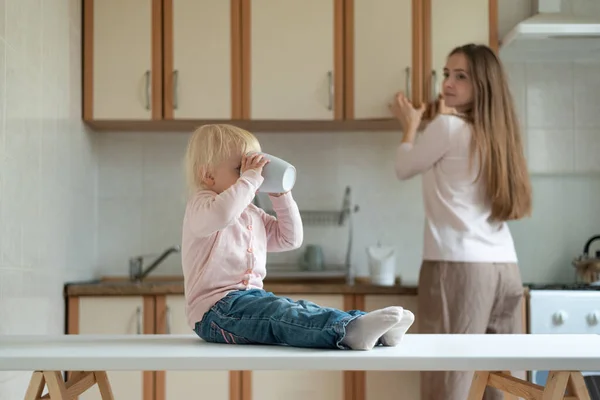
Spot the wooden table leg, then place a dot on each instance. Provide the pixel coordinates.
(556, 385)
(577, 387)
(478, 385)
(56, 385)
(558, 382)
(58, 389)
(104, 385)
(36, 386)
(508, 396)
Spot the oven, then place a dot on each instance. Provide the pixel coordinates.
(565, 309)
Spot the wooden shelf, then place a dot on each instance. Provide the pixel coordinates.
(254, 126)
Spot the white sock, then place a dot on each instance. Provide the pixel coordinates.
(394, 336)
(364, 332)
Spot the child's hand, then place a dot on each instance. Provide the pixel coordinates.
(254, 161)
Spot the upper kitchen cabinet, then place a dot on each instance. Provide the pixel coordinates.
(448, 24)
(122, 72)
(269, 65)
(292, 59)
(382, 55)
(202, 66)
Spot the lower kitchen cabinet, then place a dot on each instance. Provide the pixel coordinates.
(302, 385)
(384, 385)
(177, 385)
(157, 313)
(113, 315)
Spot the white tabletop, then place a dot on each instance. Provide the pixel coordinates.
(417, 352)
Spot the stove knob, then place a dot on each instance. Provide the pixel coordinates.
(559, 317)
(593, 317)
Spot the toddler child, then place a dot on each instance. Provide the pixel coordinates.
(224, 246)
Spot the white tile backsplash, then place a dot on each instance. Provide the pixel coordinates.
(557, 103)
(550, 150)
(565, 214)
(549, 95)
(47, 170)
(586, 92)
(587, 150)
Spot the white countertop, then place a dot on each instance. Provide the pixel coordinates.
(417, 352)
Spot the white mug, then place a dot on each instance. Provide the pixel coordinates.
(279, 175)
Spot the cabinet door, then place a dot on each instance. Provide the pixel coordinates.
(379, 55)
(301, 385)
(122, 74)
(384, 385)
(212, 385)
(447, 33)
(289, 51)
(114, 316)
(202, 59)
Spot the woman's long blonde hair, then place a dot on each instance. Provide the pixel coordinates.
(210, 145)
(497, 135)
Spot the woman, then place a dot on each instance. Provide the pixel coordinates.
(474, 180)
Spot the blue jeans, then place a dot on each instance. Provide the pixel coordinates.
(259, 317)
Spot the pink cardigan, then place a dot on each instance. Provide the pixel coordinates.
(225, 241)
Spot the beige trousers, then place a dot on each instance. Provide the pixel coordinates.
(457, 297)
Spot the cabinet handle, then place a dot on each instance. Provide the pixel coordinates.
(175, 92)
(433, 85)
(408, 83)
(331, 90)
(593, 318)
(139, 320)
(168, 320)
(147, 90)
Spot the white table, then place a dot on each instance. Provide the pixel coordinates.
(88, 357)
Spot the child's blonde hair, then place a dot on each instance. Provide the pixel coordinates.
(209, 146)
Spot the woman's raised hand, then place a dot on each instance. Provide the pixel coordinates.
(406, 113)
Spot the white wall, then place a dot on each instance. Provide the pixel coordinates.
(47, 170)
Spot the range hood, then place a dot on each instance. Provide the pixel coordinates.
(558, 32)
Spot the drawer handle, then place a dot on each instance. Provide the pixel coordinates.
(331, 90)
(434, 93)
(408, 83)
(139, 320)
(148, 90)
(593, 317)
(559, 317)
(168, 320)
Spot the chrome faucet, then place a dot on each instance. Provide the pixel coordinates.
(136, 264)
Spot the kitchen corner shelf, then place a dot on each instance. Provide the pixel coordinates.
(322, 218)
